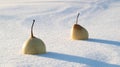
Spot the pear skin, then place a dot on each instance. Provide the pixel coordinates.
(33, 45)
(78, 32)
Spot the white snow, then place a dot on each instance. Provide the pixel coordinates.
(54, 20)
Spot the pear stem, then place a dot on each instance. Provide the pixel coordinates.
(32, 28)
(77, 18)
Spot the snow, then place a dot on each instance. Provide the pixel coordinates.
(54, 19)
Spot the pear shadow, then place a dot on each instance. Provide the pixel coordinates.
(116, 43)
(77, 59)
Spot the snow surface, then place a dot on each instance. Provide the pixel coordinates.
(54, 19)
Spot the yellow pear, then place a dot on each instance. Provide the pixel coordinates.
(33, 45)
(78, 32)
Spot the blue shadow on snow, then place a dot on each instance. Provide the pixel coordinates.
(77, 59)
(103, 41)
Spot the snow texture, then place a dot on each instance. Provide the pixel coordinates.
(54, 20)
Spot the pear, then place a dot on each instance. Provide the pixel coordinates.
(33, 45)
(78, 32)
